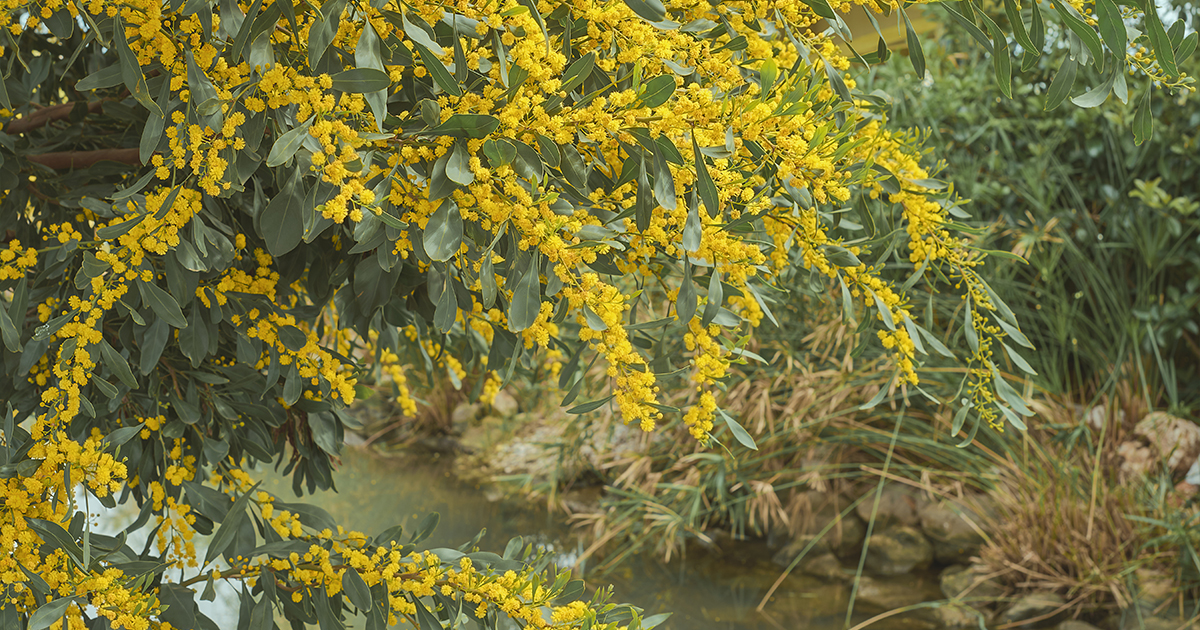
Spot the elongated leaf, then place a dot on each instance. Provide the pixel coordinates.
(1019, 360)
(739, 432)
(878, 397)
(685, 303)
(1159, 40)
(1018, 26)
(466, 126)
(163, 305)
(458, 168)
(649, 10)
(1001, 59)
(359, 80)
(968, 24)
(578, 71)
(441, 76)
(704, 182)
(658, 91)
(527, 298)
(1112, 26)
(117, 364)
(356, 589)
(1061, 86)
(281, 223)
(444, 233)
(885, 313)
(106, 77)
(1143, 119)
(287, 144)
(1097, 95)
(50, 612)
(229, 527)
(915, 54)
(131, 70)
(1081, 28)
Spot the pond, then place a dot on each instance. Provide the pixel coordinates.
(706, 590)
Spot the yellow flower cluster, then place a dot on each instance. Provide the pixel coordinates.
(15, 260)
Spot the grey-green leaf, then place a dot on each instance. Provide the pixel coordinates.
(444, 232)
(163, 305)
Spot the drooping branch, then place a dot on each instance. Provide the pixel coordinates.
(66, 160)
(47, 115)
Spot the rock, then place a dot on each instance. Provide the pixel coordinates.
(898, 505)
(505, 404)
(969, 584)
(1153, 588)
(464, 414)
(1035, 610)
(957, 616)
(1132, 622)
(1160, 436)
(827, 567)
(1075, 624)
(844, 536)
(898, 550)
(946, 525)
(884, 595)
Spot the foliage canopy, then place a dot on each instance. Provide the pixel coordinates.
(223, 218)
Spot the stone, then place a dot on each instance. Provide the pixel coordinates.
(1132, 622)
(1153, 588)
(1160, 437)
(1036, 610)
(898, 505)
(827, 567)
(949, 527)
(957, 616)
(969, 584)
(884, 595)
(1075, 624)
(843, 537)
(505, 404)
(898, 550)
(464, 414)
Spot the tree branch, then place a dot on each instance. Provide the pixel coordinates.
(66, 160)
(45, 116)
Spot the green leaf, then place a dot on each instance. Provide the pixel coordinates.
(360, 80)
(281, 223)
(685, 303)
(1014, 333)
(1143, 119)
(199, 85)
(12, 337)
(970, 25)
(915, 54)
(878, 397)
(1008, 394)
(420, 36)
(1112, 27)
(969, 327)
(228, 530)
(131, 70)
(441, 76)
(425, 619)
(589, 406)
(1097, 95)
(1018, 26)
(1081, 28)
(57, 538)
(841, 256)
(356, 589)
(739, 432)
(50, 612)
(122, 435)
(526, 299)
(458, 168)
(466, 126)
(499, 151)
(960, 418)
(1159, 40)
(1019, 360)
(913, 333)
(1001, 60)
(117, 364)
(884, 312)
(1061, 86)
(1012, 418)
(106, 77)
(649, 10)
(287, 144)
(163, 305)
(426, 527)
(836, 81)
(293, 338)
(444, 233)
(658, 91)
(578, 71)
(692, 230)
(704, 182)
(767, 74)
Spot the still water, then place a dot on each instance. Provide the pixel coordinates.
(706, 590)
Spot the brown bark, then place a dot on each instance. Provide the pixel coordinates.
(47, 115)
(66, 160)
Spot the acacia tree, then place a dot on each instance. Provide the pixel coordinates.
(223, 218)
